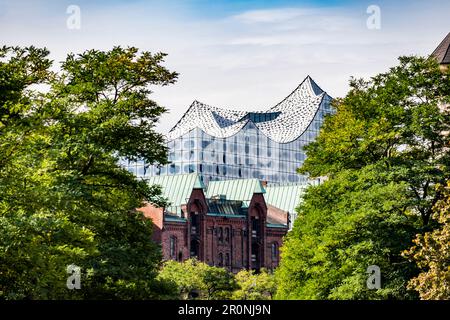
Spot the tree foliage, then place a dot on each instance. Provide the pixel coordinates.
(197, 280)
(64, 198)
(254, 286)
(393, 120)
(345, 225)
(383, 152)
(193, 279)
(431, 252)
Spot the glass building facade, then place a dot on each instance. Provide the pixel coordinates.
(221, 144)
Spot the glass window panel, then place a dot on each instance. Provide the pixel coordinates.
(177, 144)
(177, 156)
(188, 144)
(186, 155)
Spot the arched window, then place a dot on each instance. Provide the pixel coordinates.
(227, 259)
(227, 235)
(220, 234)
(274, 251)
(220, 259)
(173, 247)
(194, 248)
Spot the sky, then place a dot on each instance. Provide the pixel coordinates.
(236, 54)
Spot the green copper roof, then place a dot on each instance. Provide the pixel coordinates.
(240, 190)
(285, 197)
(276, 225)
(225, 207)
(240, 216)
(177, 188)
(169, 217)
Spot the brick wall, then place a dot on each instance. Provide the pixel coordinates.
(156, 215)
(233, 246)
(274, 236)
(229, 248)
(177, 231)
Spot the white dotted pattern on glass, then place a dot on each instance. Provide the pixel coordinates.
(220, 144)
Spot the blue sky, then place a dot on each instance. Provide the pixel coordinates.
(222, 8)
(237, 54)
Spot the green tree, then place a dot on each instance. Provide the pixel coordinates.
(254, 286)
(345, 225)
(431, 252)
(64, 198)
(394, 120)
(194, 279)
(383, 152)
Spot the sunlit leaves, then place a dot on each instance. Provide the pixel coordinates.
(431, 252)
(195, 279)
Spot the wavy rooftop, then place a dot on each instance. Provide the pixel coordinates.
(282, 123)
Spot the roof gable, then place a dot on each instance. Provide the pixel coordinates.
(442, 52)
(177, 188)
(284, 197)
(238, 190)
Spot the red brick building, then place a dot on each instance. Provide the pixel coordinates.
(227, 224)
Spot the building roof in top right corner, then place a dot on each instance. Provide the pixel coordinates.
(442, 52)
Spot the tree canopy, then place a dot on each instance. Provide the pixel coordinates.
(431, 252)
(64, 198)
(383, 152)
(194, 279)
(254, 286)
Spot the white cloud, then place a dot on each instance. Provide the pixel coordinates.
(272, 15)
